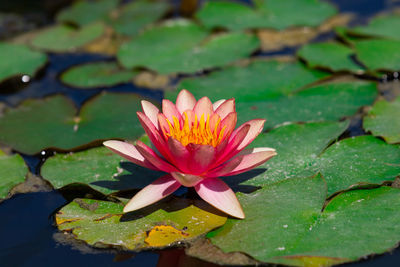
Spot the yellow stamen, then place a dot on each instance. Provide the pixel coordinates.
(198, 132)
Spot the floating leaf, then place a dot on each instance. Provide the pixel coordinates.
(332, 56)
(64, 38)
(266, 14)
(12, 172)
(99, 168)
(131, 18)
(285, 225)
(101, 223)
(52, 122)
(382, 26)
(259, 80)
(98, 74)
(326, 102)
(181, 46)
(85, 12)
(19, 60)
(359, 160)
(383, 120)
(379, 54)
(298, 146)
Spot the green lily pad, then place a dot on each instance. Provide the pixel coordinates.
(64, 38)
(298, 147)
(19, 60)
(285, 225)
(259, 80)
(53, 122)
(383, 120)
(382, 26)
(181, 46)
(131, 18)
(266, 14)
(102, 224)
(85, 12)
(379, 54)
(98, 74)
(326, 102)
(12, 172)
(357, 161)
(99, 168)
(332, 56)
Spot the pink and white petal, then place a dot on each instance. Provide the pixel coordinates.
(244, 161)
(218, 103)
(185, 101)
(179, 153)
(229, 123)
(151, 111)
(256, 127)
(213, 122)
(218, 194)
(129, 152)
(225, 108)
(203, 106)
(201, 158)
(188, 180)
(152, 193)
(154, 159)
(169, 110)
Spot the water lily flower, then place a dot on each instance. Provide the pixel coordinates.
(195, 142)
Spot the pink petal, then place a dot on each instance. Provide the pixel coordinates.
(244, 161)
(203, 106)
(154, 159)
(201, 157)
(154, 192)
(188, 180)
(185, 101)
(256, 127)
(151, 112)
(213, 121)
(218, 194)
(217, 104)
(169, 110)
(180, 154)
(229, 123)
(164, 126)
(225, 108)
(129, 152)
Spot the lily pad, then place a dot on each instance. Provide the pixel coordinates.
(326, 102)
(298, 147)
(99, 168)
(332, 56)
(12, 172)
(381, 26)
(379, 54)
(64, 38)
(383, 120)
(131, 18)
(53, 122)
(259, 80)
(103, 224)
(181, 46)
(266, 14)
(84, 12)
(357, 161)
(99, 74)
(19, 60)
(285, 224)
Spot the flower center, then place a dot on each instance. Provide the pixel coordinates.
(196, 132)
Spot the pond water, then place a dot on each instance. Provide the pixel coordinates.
(27, 230)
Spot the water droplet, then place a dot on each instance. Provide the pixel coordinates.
(285, 226)
(43, 153)
(281, 248)
(25, 78)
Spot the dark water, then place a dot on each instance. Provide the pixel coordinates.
(27, 230)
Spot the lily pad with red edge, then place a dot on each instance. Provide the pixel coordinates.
(30, 127)
(102, 223)
(181, 46)
(383, 120)
(12, 172)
